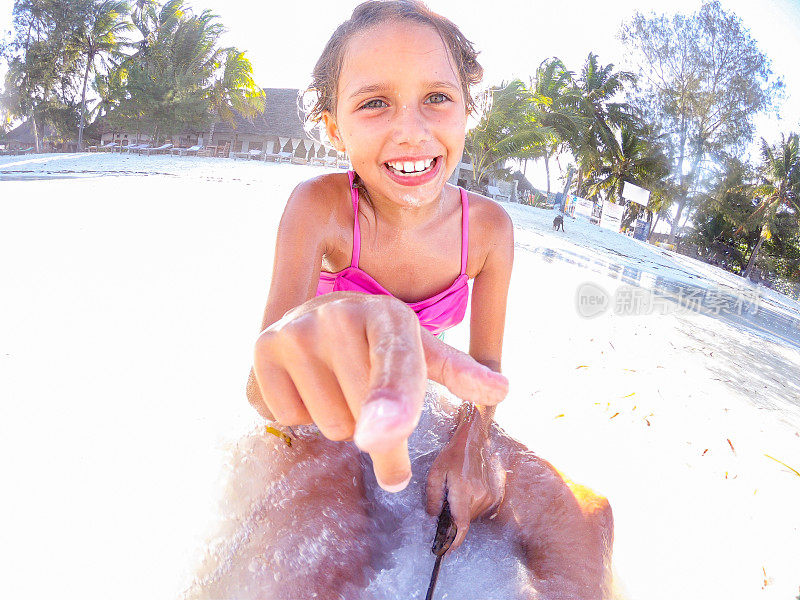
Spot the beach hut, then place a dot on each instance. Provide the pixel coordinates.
(278, 132)
(21, 139)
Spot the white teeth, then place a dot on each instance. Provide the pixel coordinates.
(409, 167)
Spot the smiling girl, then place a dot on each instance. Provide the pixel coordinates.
(370, 266)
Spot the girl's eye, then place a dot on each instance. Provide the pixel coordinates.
(438, 98)
(376, 103)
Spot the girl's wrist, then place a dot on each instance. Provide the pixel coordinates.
(473, 421)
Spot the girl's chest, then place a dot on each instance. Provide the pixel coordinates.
(410, 267)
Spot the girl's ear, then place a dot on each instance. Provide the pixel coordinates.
(332, 129)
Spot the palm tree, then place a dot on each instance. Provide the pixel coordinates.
(598, 87)
(179, 78)
(235, 91)
(510, 128)
(553, 92)
(638, 159)
(779, 190)
(101, 40)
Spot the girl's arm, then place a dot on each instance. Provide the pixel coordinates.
(299, 248)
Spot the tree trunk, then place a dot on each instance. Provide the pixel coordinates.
(674, 228)
(35, 134)
(83, 104)
(547, 171)
(653, 226)
(752, 262)
(580, 182)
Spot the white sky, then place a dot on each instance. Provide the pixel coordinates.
(284, 39)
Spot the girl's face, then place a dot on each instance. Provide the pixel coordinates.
(400, 112)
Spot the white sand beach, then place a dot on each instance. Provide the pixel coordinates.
(132, 290)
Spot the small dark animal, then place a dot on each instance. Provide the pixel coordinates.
(558, 222)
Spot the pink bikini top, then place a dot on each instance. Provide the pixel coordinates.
(436, 313)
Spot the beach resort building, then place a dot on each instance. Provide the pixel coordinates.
(21, 139)
(278, 131)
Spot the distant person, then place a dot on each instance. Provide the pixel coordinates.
(370, 267)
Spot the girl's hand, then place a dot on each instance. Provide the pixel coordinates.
(468, 472)
(357, 366)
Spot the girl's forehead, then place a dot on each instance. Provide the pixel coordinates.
(395, 50)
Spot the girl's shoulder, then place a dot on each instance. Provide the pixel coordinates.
(488, 220)
(318, 199)
(321, 192)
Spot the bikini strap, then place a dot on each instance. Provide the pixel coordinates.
(356, 227)
(464, 230)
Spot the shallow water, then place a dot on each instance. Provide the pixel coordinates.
(276, 537)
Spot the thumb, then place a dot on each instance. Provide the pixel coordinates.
(461, 374)
(435, 491)
(460, 512)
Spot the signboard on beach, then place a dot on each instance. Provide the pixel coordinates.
(641, 229)
(612, 216)
(635, 194)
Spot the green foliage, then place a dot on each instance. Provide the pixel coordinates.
(703, 78)
(100, 41)
(42, 61)
(175, 77)
(179, 79)
(510, 127)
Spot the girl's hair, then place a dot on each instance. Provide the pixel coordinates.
(325, 78)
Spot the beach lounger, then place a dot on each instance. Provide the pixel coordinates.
(298, 160)
(159, 150)
(192, 150)
(223, 151)
(142, 148)
(270, 156)
(207, 151)
(285, 157)
(250, 154)
(109, 147)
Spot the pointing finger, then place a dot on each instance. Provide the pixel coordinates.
(397, 380)
(393, 468)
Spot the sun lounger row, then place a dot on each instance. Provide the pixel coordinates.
(10, 152)
(223, 151)
(339, 161)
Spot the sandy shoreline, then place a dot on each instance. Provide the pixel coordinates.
(131, 303)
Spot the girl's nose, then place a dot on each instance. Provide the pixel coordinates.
(410, 125)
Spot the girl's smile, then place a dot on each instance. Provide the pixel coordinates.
(400, 113)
